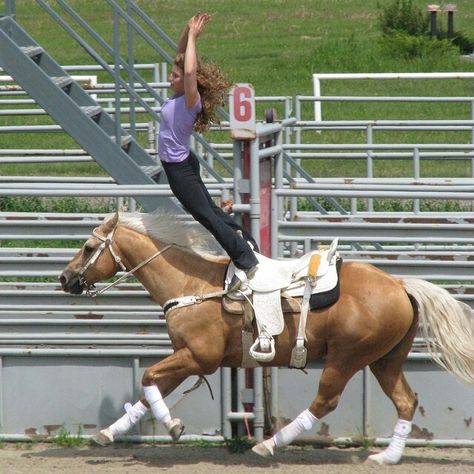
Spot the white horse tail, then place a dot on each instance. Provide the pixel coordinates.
(447, 325)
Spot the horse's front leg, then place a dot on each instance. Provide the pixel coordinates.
(158, 381)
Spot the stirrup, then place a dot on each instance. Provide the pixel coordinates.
(267, 346)
(240, 279)
(234, 284)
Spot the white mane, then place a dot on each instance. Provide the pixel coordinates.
(173, 229)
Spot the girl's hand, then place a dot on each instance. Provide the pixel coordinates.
(197, 23)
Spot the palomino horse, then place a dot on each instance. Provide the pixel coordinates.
(373, 323)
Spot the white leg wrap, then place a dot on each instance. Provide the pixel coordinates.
(157, 404)
(132, 416)
(394, 451)
(303, 422)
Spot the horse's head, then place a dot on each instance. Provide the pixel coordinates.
(97, 260)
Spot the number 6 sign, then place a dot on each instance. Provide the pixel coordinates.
(242, 112)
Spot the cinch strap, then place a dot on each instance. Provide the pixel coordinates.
(182, 301)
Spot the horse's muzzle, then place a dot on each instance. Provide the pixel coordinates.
(71, 282)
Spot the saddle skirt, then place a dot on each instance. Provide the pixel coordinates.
(289, 276)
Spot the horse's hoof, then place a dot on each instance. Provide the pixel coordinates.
(103, 437)
(175, 428)
(382, 459)
(264, 449)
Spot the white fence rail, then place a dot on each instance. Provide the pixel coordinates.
(317, 78)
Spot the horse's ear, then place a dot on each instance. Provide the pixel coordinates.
(111, 222)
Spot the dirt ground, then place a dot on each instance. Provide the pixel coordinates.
(121, 459)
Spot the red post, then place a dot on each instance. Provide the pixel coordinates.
(246, 176)
(266, 175)
(266, 167)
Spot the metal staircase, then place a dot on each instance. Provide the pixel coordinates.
(116, 151)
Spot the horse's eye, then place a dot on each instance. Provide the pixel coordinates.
(87, 250)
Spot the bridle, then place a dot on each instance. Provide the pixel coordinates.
(107, 242)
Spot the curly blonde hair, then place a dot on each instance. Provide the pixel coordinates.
(213, 87)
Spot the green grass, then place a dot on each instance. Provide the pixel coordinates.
(239, 444)
(274, 44)
(36, 204)
(65, 439)
(202, 443)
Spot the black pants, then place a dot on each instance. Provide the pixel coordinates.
(185, 181)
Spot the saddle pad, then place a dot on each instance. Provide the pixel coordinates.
(326, 298)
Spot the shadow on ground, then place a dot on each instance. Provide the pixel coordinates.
(181, 455)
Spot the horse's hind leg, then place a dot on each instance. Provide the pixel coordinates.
(339, 368)
(389, 373)
(333, 380)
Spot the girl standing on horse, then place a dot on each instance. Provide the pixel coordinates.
(198, 89)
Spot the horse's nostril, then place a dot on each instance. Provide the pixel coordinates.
(71, 282)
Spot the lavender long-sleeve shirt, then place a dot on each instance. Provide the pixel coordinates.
(176, 126)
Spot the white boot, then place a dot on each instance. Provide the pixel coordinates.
(161, 412)
(133, 414)
(303, 422)
(394, 451)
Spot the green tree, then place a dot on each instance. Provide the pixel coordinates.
(402, 16)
